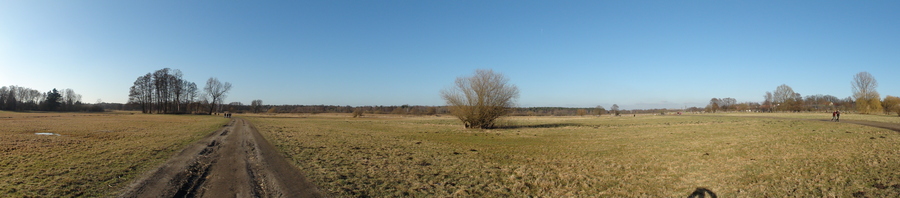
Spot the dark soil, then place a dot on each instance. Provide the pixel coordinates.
(235, 161)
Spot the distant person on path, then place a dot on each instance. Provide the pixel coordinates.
(838, 116)
(833, 115)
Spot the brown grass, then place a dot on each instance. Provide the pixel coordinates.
(647, 156)
(95, 154)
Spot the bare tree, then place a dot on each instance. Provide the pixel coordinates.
(69, 98)
(142, 93)
(161, 89)
(191, 97)
(177, 88)
(256, 105)
(480, 99)
(713, 105)
(867, 99)
(599, 110)
(785, 98)
(769, 102)
(216, 91)
(32, 98)
(9, 98)
(727, 104)
(783, 93)
(614, 109)
(3, 97)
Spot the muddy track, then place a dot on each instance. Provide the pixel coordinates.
(235, 161)
(883, 125)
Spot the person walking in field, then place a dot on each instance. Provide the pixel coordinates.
(838, 118)
(833, 115)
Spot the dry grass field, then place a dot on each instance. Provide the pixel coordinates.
(886, 118)
(643, 156)
(93, 155)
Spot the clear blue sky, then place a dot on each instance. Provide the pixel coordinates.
(637, 54)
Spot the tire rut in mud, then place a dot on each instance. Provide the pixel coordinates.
(235, 161)
(196, 176)
(198, 171)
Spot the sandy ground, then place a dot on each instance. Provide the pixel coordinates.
(235, 161)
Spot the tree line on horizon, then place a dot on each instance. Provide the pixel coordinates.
(165, 91)
(238, 107)
(395, 109)
(17, 98)
(865, 100)
(477, 101)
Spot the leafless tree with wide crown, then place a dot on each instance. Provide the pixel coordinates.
(480, 99)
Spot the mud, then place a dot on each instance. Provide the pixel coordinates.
(235, 161)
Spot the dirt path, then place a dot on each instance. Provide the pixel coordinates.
(883, 125)
(235, 161)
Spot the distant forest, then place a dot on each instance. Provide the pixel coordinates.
(164, 91)
(17, 98)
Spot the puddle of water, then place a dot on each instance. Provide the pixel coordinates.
(46, 134)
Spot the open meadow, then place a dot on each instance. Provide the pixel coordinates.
(89, 154)
(643, 156)
(885, 118)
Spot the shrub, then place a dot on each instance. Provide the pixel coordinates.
(480, 99)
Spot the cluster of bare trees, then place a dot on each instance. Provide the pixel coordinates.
(724, 104)
(256, 105)
(17, 98)
(865, 100)
(785, 99)
(164, 91)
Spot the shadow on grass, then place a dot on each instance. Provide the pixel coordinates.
(535, 126)
(702, 193)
